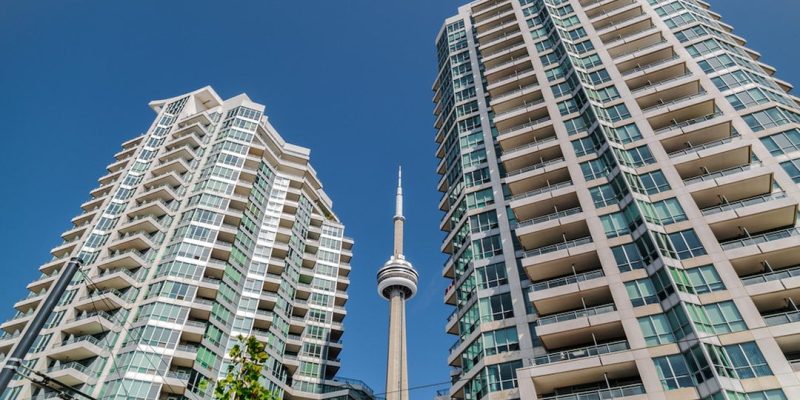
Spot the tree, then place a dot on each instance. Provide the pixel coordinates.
(242, 379)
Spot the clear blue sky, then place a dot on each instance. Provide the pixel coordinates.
(349, 79)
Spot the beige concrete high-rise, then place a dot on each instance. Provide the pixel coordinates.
(620, 189)
(206, 227)
(397, 283)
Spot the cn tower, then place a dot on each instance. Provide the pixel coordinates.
(397, 282)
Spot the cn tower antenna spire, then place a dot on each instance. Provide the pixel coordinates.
(399, 219)
(397, 283)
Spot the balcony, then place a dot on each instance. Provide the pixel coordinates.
(89, 323)
(538, 177)
(137, 240)
(605, 376)
(553, 232)
(617, 18)
(531, 154)
(128, 259)
(618, 36)
(78, 348)
(754, 215)
(510, 79)
(525, 89)
(527, 135)
(491, 44)
(711, 175)
(545, 206)
(772, 275)
(572, 292)
(680, 115)
(557, 356)
(655, 76)
(105, 300)
(71, 374)
(165, 193)
(558, 259)
(497, 24)
(788, 233)
(749, 184)
(638, 43)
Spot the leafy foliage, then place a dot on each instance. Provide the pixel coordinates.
(242, 379)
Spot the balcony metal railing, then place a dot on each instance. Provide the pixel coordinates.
(704, 146)
(650, 65)
(514, 92)
(601, 394)
(642, 49)
(743, 203)
(558, 246)
(688, 122)
(675, 101)
(781, 318)
(582, 352)
(519, 107)
(536, 166)
(498, 51)
(525, 125)
(511, 77)
(724, 172)
(661, 82)
(772, 276)
(532, 144)
(571, 315)
(763, 238)
(566, 280)
(549, 217)
(541, 190)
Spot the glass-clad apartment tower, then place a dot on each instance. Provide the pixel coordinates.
(206, 227)
(620, 190)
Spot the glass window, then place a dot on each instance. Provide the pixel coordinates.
(717, 318)
(673, 372)
(641, 292)
(739, 361)
(656, 329)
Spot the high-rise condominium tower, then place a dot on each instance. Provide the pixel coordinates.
(206, 227)
(620, 197)
(397, 283)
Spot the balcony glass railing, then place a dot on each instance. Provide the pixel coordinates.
(582, 352)
(536, 166)
(601, 394)
(558, 246)
(661, 82)
(570, 315)
(675, 101)
(509, 78)
(566, 280)
(549, 217)
(650, 65)
(689, 122)
(772, 276)
(519, 107)
(719, 174)
(514, 92)
(743, 203)
(781, 318)
(541, 190)
(535, 143)
(524, 125)
(703, 146)
(763, 238)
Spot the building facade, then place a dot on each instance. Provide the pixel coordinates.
(206, 227)
(620, 189)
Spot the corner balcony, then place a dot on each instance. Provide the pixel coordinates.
(78, 348)
(89, 323)
(137, 240)
(191, 139)
(107, 300)
(185, 152)
(44, 280)
(155, 207)
(71, 374)
(127, 259)
(164, 192)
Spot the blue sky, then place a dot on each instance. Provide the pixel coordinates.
(350, 79)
